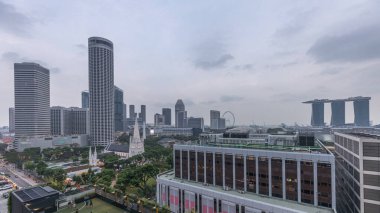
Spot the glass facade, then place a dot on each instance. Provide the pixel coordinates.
(218, 169)
(324, 184)
(177, 164)
(185, 165)
(277, 178)
(228, 165)
(291, 179)
(193, 166)
(239, 172)
(201, 167)
(251, 174)
(209, 168)
(263, 176)
(307, 182)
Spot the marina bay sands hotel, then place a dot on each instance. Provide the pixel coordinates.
(338, 111)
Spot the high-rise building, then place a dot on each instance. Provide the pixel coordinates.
(219, 175)
(338, 112)
(158, 119)
(125, 117)
(32, 100)
(132, 113)
(85, 99)
(101, 88)
(119, 109)
(357, 172)
(69, 121)
(181, 119)
(179, 107)
(11, 119)
(167, 113)
(361, 110)
(317, 111)
(214, 119)
(197, 123)
(143, 113)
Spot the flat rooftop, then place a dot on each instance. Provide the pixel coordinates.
(248, 195)
(364, 135)
(332, 100)
(29, 194)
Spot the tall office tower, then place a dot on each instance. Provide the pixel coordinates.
(32, 100)
(361, 110)
(338, 112)
(179, 107)
(182, 119)
(222, 123)
(158, 119)
(79, 121)
(119, 109)
(59, 121)
(124, 117)
(85, 99)
(197, 123)
(11, 119)
(167, 113)
(132, 113)
(101, 88)
(214, 119)
(357, 172)
(318, 114)
(143, 113)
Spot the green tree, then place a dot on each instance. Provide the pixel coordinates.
(29, 165)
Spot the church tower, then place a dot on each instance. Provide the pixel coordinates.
(136, 145)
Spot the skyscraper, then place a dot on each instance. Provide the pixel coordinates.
(214, 119)
(143, 113)
(167, 113)
(32, 100)
(361, 110)
(101, 88)
(179, 107)
(85, 99)
(338, 112)
(119, 109)
(158, 119)
(195, 123)
(182, 119)
(12, 119)
(132, 113)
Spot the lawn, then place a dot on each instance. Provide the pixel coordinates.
(99, 206)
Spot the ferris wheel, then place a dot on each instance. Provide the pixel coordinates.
(230, 118)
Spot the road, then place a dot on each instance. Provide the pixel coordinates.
(19, 181)
(3, 202)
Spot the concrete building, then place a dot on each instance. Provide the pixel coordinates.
(197, 123)
(119, 109)
(32, 100)
(172, 131)
(34, 198)
(361, 110)
(167, 113)
(357, 172)
(338, 113)
(69, 121)
(159, 120)
(179, 107)
(11, 120)
(216, 122)
(142, 114)
(101, 88)
(182, 119)
(243, 176)
(124, 117)
(52, 142)
(132, 113)
(85, 99)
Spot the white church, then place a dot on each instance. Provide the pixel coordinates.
(136, 144)
(92, 158)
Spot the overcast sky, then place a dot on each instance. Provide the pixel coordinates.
(258, 59)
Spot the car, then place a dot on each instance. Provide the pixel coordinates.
(5, 187)
(6, 195)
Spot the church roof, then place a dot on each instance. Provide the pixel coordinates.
(118, 148)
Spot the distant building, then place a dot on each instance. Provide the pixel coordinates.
(338, 113)
(179, 107)
(361, 110)
(216, 122)
(39, 198)
(92, 157)
(11, 120)
(143, 113)
(122, 150)
(85, 99)
(159, 120)
(44, 142)
(69, 121)
(119, 109)
(182, 119)
(32, 100)
(167, 113)
(101, 88)
(195, 123)
(173, 131)
(132, 113)
(124, 117)
(357, 172)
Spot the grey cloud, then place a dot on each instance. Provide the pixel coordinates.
(230, 98)
(298, 22)
(14, 22)
(81, 46)
(208, 102)
(244, 67)
(362, 44)
(13, 57)
(216, 63)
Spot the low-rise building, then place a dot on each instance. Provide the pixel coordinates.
(34, 199)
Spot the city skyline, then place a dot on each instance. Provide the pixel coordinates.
(250, 71)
